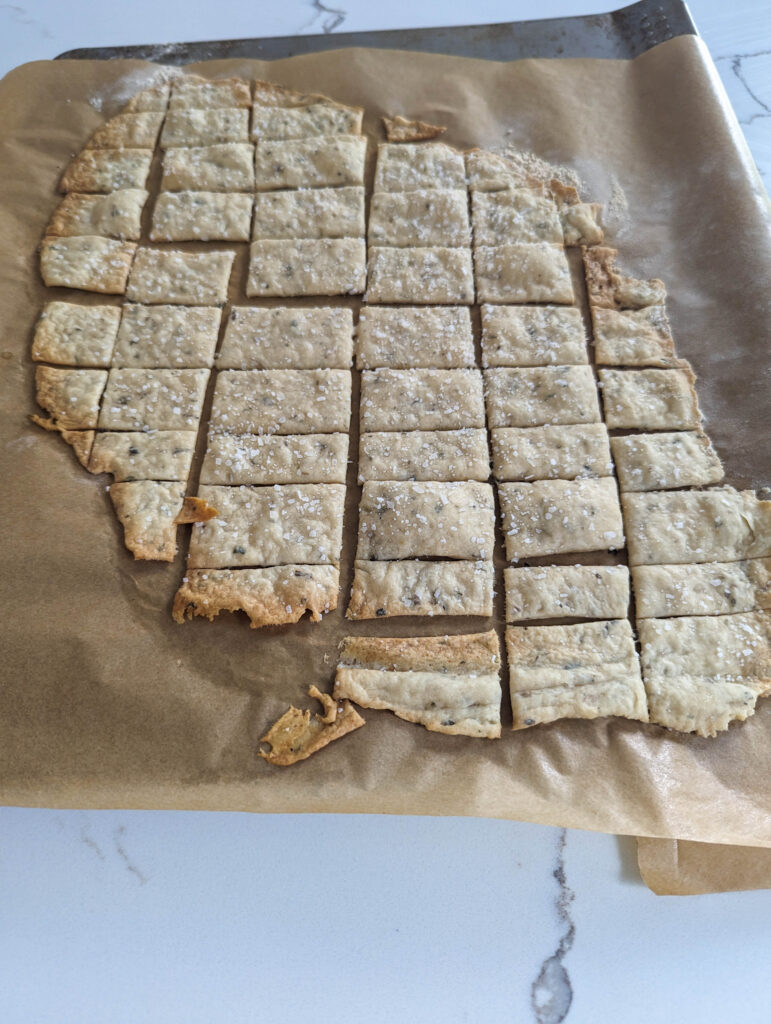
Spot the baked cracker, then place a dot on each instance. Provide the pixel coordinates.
(306, 122)
(180, 278)
(587, 670)
(404, 167)
(201, 216)
(426, 275)
(212, 127)
(287, 338)
(421, 400)
(712, 588)
(421, 588)
(193, 92)
(424, 217)
(540, 395)
(143, 454)
(532, 336)
(273, 459)
(272, 596)
(566, 591)
(523, 273)
(167, 336)
(153, 399)
(107, 170)
(424, 455)
(76, 335)
(653, 462)
(609, 289)
(551, 453)
(633, 337)
(296, 735)
(282, 401)
(307, 266)
(650, 399)
(71, 397)
(402, 129)
(148, 509)
(310, 163)
(514, 215)
(403, 337)
(115, 215)
(87, 262)
(310, 213)
(228, 167)
(128, 131)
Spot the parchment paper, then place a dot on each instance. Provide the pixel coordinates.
(677, 867)
(105, 702)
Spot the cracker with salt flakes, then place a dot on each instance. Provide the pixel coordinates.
(287, 338)
(424, 217)
(70, 333)
(551, 452)
(608, 288)
(403, 337)
(70, 397)
(192, 92)
(431, 275)
(423, 399)
(168, 276)
(153, 98)
(153, 399)
(275, 459)
(407, 519)
(282, 402)
(650, 399)
(566, 591)
(523, 272)
(115, 215)
(143, 454)
(536, 396)
(712, 588)
(653, 462)
(306, 122)
(271, 596)
(307, 266)
(261, 526)
(421, 588)
(166, 337)
(514, 215)
(718, 525)
(588, 670)
(633, 337)
(550, 517)
(532, 336)
(204, 127)
(201, 216)
(86, 262)
(128, 131)
(227, 167)
(424, 455)
(703, 672)
(310, 163)
(107, 170)
(310, 213)
(147, 510)
(405, 167)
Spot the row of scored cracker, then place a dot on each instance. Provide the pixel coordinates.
(274, 468)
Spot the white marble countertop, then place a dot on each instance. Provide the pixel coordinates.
(119, 916)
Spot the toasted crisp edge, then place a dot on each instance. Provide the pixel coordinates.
(73, 179)
(73, 202)
(207, 592)
(113, 133)
(117, 265)
(402, 129)
(195, 510)
(603, 278)
(475, 652)
(295, 736)
(46, 392)
(241, 91)
(269, 94)
(141, 551)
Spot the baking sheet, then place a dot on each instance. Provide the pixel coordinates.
(106, 702)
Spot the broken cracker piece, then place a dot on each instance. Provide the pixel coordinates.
(81, 441)
(610, 289)
(296, 735)
(402, 129)
(195, 510)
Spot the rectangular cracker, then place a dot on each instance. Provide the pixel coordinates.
(551, 453)
(256, 526)
(565, 591)
(587, 670)
(421, 588)
(115, 215)
(425, 217)
(551, 517)
(167, 336)
(272, 596)
(447, 684)
(514, 215)
(491, 172)
(180, 278)
(404, 167)
(275, 459)
(201, 216)
(129, 130)
(523, 273)
(153, 399)
(71, 397)
(537, 396)
(432, 520)
(421, 400)
(719, 525)
(310, 213)
(287, 338)
(703, 672)
(532, 336)
(107, 170)
(315, 119)
(652, 462)
(424, 455)
(633, 337)
(153, 98)
(310, 163)
(414, 336)
(228, 167)
(282, 402)
(428, 275)
(713, 588)
(143, 454)
(650, 399)
(192, 92)
(308, 266)
(204, 127)
(77, 335)
(87, 262)
(147, 510)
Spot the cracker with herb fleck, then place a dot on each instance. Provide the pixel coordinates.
(405, 167)
(310, 163)
(523, 272)
(426, 275)
(551, 453)
(107, 170)
(608, 288)
(307, 266)
(424, 217)
(71, 397)
(566, 591)
(193, 92)
(201, 216)
(276, 459)
(582, 223)
(550, 517)
(282, 402)
(128, 131)
(161, 276)
(147, 510)
(272, 596)
(532, 336)
(650, 399)
(153, 399)
(143, 454)
(260, 526)
(306, 122)
(399, 400)
(514, 215)
(166, 337)
(406, 519)
(541, 395)
(212, 127)
(310, 213)
(587, 670)
(421, 588)
(153, 98)
(403, 337)
(633, 337)
(287, 338)
(424, 455)
(87, 262)
(228, 167)
(115, 215)
(73, 334)
(712, 588)
(652, 462)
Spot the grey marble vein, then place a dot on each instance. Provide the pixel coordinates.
(552, 993)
